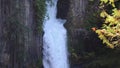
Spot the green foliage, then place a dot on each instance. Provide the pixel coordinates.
(110, 30)
(39, 63)
(40, 13)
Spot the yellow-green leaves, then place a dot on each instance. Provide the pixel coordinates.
(110, 30)
(110, 19)
(116, 12)
(108, 2)
(104, 1)
(112, 3)
(103, 14)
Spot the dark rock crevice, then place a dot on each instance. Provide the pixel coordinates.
(63, 8)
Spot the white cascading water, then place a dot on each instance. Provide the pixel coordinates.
(54, 49)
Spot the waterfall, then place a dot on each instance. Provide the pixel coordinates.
(54, 48)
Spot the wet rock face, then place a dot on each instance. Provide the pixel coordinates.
(63, 8)
(20, 46)
(75, 21)
(79, 40)
(76, 14)
(76, 27)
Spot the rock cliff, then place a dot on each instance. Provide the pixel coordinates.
(20, 43)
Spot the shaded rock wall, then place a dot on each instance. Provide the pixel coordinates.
(78, 36)
(76, 13)
(63, 8)
(20, 45)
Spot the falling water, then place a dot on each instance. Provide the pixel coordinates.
(54, 49)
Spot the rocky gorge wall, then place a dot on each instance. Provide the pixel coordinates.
(76, 29)
(21, 36)
(75, 23)
(20, 43)
(78, 14)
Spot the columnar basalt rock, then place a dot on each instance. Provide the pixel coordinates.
(75, 20)
(20, 45)
(77, 30)
(74, 14)
(63, 8)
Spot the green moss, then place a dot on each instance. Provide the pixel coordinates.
(39, 63)
(40, 9)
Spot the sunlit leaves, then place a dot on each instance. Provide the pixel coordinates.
(116, 12)
(103, 14)
(110, 30)
(104, 1)
(112, 3)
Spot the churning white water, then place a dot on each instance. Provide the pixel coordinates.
(54, 49)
